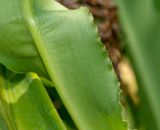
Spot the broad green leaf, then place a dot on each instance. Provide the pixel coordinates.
(25, 105)
(140, 20)
(14, 35)
(64, 44)
(17, 50)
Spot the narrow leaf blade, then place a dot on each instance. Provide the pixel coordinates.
(27, 106)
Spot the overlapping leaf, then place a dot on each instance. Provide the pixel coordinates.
(25, 105)
(63, 45)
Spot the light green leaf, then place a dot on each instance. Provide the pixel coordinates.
(140, 21)
(25, 105)
(66, 45)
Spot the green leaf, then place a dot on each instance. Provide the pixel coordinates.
(65, 45)
(140, 21)
(25, 105)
